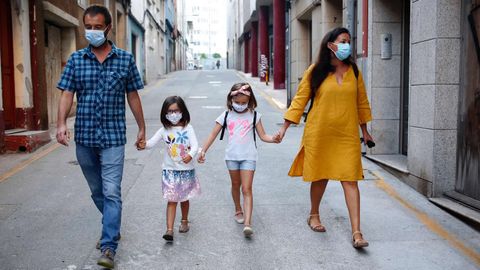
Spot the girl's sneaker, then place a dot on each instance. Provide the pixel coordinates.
(247, 231)
(239, 217)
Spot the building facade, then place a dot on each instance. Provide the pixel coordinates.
(257, 39)
(36, 39)
(208, 44)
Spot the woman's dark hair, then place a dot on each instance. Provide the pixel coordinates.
(97, 9)
(181, 105)
(323, 64)
(252, 102)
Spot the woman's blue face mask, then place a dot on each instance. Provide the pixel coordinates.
(343, 51)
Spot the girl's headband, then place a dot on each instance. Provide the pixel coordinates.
(243, 90)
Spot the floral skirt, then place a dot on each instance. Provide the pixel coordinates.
(179, 186)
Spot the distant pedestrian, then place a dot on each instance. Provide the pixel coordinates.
(179, 181)
(218, 64)
(101, 75)
(330, 146)
(242, 122)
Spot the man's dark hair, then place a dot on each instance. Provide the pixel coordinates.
(97, 9)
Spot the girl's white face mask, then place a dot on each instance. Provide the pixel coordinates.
(238, 107)
(174, 118)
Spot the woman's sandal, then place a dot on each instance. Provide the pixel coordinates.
(184, 227)
(168, 235)
(317, 228)
(359, 243)
(239, 219)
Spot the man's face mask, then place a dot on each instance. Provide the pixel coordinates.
(95, 37)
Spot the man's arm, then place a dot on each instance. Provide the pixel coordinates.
(64, 106)
(136, 107)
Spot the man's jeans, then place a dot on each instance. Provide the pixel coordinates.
(103, 169)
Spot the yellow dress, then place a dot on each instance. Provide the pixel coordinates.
(331, 143)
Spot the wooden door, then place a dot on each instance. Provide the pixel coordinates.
(8, 77)
(53, 69)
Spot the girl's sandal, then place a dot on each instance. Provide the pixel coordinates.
(316, 228)
(168, 235)
(184, 227)
(239, 217)
(358, 243)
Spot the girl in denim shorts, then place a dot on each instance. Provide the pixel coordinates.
(241, 152)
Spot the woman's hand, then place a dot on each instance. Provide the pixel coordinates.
(367, 137)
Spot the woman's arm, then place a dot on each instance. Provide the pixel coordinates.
(206, 145)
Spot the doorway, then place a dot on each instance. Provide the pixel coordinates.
(468, 154)
(53, 68)
(8, 77)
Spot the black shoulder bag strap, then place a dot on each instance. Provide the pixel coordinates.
(355, 71)
(224, 125)
(254, 127)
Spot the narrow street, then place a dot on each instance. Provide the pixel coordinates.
(48, 221)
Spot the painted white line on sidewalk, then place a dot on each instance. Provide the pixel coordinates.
(197, 97)
(215, 82)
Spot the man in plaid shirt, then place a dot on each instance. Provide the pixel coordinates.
(101, 75)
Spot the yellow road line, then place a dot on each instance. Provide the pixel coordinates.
(27, 162)
(431, 224)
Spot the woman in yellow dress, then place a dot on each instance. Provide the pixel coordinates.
(331, 144)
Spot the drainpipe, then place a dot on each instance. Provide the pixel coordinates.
(288, 6)
(350, 23)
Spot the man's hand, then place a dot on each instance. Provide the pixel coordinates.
(63, 136)
(140, 143)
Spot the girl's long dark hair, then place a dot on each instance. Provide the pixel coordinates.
(323, 65)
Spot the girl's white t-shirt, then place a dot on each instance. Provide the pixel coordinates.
(179, 141)
(241, 145)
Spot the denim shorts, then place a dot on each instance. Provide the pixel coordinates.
(246, 165)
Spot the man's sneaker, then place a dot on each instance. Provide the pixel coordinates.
(98, 242)
(106, 260)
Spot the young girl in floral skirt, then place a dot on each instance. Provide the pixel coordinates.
(179, 182)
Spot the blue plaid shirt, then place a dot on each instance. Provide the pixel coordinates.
(100, 89)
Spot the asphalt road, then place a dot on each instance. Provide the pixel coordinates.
(48, 221)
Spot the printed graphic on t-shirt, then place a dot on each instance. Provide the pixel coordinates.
(177, 143)
(240, 127)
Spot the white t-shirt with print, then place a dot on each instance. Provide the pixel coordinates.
(178, 141)
(241, 145)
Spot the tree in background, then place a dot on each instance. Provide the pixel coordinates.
(217, 55)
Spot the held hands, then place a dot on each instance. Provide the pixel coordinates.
(277, 138)
(201, 157)
(140, 143)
